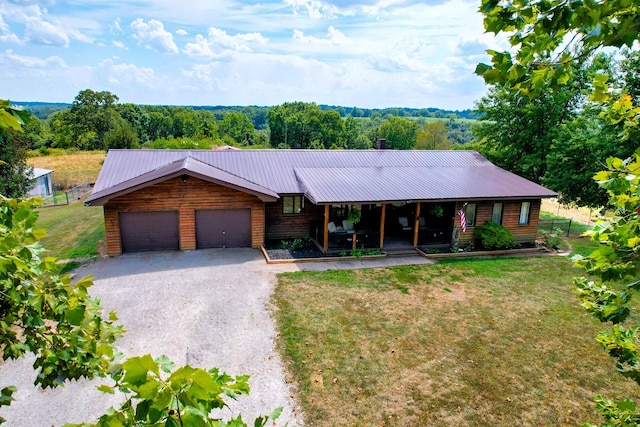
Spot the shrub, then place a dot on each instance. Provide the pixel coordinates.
(552, 239)
(493, 236)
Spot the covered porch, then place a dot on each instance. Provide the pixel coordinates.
(397, 225)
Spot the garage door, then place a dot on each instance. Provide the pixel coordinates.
(149, 231)
(223, 228)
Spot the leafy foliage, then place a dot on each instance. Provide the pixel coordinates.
(158, 394)
(15, 174)
(613, 271)
(13, 117)
(401, 134)
(545, 35)
(493, 236)
(41, 312)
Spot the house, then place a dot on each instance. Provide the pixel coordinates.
(192, 199)
(42, 186)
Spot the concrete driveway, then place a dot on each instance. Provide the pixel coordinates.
(206, 308)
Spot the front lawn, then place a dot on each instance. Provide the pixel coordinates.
(461, 342)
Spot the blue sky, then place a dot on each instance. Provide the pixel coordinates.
(370, 54)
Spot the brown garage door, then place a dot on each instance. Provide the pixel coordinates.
(223, 228)
(149, 231)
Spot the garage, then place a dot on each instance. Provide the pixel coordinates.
(223, 228)
(149, 231)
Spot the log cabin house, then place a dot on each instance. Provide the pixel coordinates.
(196, 199)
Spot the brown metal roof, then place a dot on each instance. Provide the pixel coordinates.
(186, 166)
(390, 184)
(326, 176)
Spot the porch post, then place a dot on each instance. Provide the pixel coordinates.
(382, 217)
(416, 225)
(325, 240)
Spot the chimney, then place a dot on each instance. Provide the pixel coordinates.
(382, 144)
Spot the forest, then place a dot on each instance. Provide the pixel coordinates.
(96, 120)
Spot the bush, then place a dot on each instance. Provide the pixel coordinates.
(493, 236)
(552, 239)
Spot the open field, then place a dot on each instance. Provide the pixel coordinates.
(71, 168)
(583, 215)
(464, 342)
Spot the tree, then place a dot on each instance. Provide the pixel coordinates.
(433, 136)
(41, 312)
(516, 133)
(543, 35)
(401, 134)
(15, 175)
(122, 136)
(238, 128)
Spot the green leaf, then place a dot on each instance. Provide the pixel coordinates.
(75, 315)
(137, 368)
(106, 389)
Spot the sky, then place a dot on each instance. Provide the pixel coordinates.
(369, 54)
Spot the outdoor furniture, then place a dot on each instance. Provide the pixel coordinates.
(404, 223)
(348, 226)
(422, 223)
(332, 227)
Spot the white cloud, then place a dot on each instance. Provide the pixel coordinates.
(38, 27)
(10, 60)
(126, 74)
(115, 27)
(181, 32)
(334, 37)
(313, 8)
(6, 35)
(219, 44)
(154, 36)
(119, 44)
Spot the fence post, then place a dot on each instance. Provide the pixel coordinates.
(569, 228)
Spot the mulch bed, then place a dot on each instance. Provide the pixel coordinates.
(275, 251)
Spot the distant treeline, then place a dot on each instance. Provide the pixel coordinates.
(96, 120)
(42, 110)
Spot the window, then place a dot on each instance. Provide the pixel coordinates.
(496, 215)
(470, 214)
(292, 204)
(524, 213)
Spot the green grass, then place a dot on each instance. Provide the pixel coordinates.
(73, 231)
(477, 342)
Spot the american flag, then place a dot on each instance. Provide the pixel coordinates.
(463, 220)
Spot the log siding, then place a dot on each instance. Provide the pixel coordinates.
(524, 233)
(291, 226)
(186, 197)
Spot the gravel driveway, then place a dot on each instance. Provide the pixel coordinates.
(205, 308)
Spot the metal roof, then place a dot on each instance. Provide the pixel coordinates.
(38, 172)
(187, 166)
(325, 176)
(392, 184)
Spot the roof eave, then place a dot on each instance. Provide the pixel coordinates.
(453, 199)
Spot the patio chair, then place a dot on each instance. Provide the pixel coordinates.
(404, 223)
(348, 226)
(422, 223)
(332, 227)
